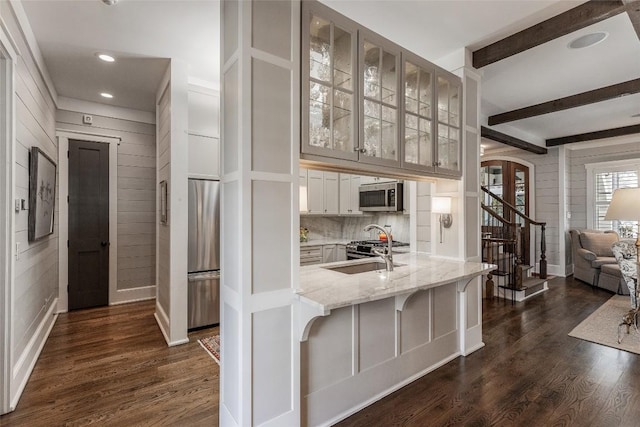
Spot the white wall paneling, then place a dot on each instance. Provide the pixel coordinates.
(378, 347)
(30, 269)
(259, 384)
(8, 55)
(171, 238)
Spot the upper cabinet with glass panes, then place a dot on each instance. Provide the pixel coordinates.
(372, 104)
(329, 119)
(379, 103)
(449, 93)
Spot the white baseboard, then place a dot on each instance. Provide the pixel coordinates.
(163, 322)
(27, 360)
(124, 296)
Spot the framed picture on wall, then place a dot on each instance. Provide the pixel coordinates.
(42, 194)
(163, 202)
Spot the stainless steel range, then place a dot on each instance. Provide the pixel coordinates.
(364, 248)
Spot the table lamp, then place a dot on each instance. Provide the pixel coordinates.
(625, 206)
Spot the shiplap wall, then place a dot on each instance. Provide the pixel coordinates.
(136, 193)
(164, 174)
(35, 283)
(577, 160)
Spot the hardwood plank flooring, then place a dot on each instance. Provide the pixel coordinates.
(110, 366)
(530, 372)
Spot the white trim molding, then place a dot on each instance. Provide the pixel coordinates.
(63, 163)
(8, 58)
(114, 112)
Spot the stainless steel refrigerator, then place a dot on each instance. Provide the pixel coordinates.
(204, 253)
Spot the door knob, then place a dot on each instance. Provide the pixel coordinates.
(103, 243)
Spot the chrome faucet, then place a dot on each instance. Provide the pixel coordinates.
(388, 256)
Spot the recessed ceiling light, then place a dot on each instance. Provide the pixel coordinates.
(106, 58)
(588, 40)
(106, 95)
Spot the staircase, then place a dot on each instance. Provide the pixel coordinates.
(517, 245)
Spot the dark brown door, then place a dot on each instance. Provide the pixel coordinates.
(88, 224)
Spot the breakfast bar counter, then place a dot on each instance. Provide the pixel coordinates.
(325, 287)
(365, 332)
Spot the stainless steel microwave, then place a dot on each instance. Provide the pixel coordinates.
(383, 197)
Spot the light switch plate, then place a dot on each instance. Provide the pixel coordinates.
(18, 205)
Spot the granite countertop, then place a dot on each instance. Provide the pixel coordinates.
(325, 241)
(328, 290)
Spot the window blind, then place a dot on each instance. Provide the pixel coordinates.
(605, 184)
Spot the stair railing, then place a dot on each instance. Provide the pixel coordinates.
(523, 225)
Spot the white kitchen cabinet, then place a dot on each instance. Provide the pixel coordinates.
(331, 193)
(328, 253)
(349, 194)
(310, 255)
(320, 190)
(341, 252)
(315, 192)
(203, 132)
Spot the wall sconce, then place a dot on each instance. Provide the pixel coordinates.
(442, 206)
(303, 199)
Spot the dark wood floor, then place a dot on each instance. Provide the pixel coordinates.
(111, 367)
(530, 373)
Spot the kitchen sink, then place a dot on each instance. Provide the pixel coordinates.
(362, 268)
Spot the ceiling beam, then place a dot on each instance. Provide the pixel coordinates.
(578, 100)
(589, 136)
(633, 10)
(572, 20)
(511, 141)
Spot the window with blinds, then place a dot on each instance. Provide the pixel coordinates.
(606, 182)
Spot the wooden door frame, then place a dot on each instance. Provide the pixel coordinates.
(532, 186)
(63, 164)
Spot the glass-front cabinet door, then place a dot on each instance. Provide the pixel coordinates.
(379, 108)
(448, 150)
(418, 114)
(329, 95)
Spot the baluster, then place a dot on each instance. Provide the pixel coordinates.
(543, 256)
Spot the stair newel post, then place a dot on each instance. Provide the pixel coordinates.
(543, 256)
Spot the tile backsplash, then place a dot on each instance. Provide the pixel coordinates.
(352, 227)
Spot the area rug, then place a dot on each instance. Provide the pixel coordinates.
(601, 327)
(212, 345)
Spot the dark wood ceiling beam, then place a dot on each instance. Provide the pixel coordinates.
(578, 100)
(589, 136)
(511, 141)
(572, 20)
(633, 10)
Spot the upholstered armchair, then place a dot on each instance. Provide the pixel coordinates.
(625, 252)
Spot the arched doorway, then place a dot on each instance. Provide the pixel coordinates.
(509, 180)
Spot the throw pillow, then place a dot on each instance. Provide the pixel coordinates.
(599, 243)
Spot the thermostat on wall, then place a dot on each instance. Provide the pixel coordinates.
(87, 119)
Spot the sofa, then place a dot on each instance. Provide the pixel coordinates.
(593, 260)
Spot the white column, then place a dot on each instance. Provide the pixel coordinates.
(260, 373)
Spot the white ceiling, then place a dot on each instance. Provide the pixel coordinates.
(142, 35)
(145, 33)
